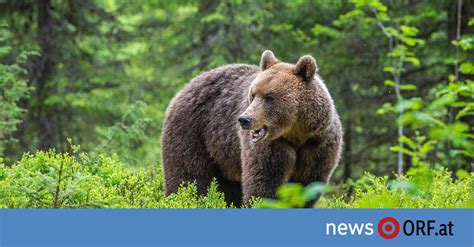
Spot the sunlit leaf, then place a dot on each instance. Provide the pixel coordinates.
(407, 87)
(467, 68)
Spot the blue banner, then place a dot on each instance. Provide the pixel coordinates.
(236, 227)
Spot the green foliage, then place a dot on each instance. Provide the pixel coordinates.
(126, 136)
(49, 179)
(294, 195)
(186, 197)
(106, 70)
(431, 117)
(62, 180)
(445, 129)
(418, 148)
(419, 188)
(13, 88)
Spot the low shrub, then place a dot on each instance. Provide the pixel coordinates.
(421, 187)
(63, 180)
(80, 180)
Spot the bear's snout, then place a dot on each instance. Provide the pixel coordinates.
(245, 122)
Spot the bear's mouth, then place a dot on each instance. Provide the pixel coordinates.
(258, 134)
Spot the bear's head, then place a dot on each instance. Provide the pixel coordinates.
(286, 100)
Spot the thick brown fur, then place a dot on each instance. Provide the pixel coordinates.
(202, 139)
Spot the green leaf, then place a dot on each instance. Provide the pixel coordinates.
(467, 68)
(409, 104)
(422, 177)
(389, 69)
(389, 83)
(407, 141)
(4, 50)
(468, 110)
(466, 43)
(314, 190)
(379, 6)
(413, 60)
(451, 78)
(426, 147)
(462, 173)
(404, 186)
(404, 150)
(214, 17)
(408, 31)
(471, 22)
(320, 30)
(407, 87)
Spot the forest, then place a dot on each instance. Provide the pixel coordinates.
(84, 86)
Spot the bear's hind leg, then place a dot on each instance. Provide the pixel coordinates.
(186, 162)
(232, 191)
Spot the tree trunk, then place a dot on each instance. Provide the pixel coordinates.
(42, 71)
(209, 32)
(454, 33)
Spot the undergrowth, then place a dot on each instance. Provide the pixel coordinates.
(80, 180)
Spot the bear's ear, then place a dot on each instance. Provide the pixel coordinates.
(268, 59)
(306, 67)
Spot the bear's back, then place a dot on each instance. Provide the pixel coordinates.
(209, 106)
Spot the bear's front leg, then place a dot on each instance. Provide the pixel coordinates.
(265, 166)
(317, 161)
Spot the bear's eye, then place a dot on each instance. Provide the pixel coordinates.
(252, 96)
(269, 98)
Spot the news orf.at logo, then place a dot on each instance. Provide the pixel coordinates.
(389, 228)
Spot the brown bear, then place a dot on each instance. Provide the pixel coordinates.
(252, 128)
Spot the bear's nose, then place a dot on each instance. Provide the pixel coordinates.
(245, 122)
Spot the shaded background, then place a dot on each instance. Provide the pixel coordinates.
(102, 72)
